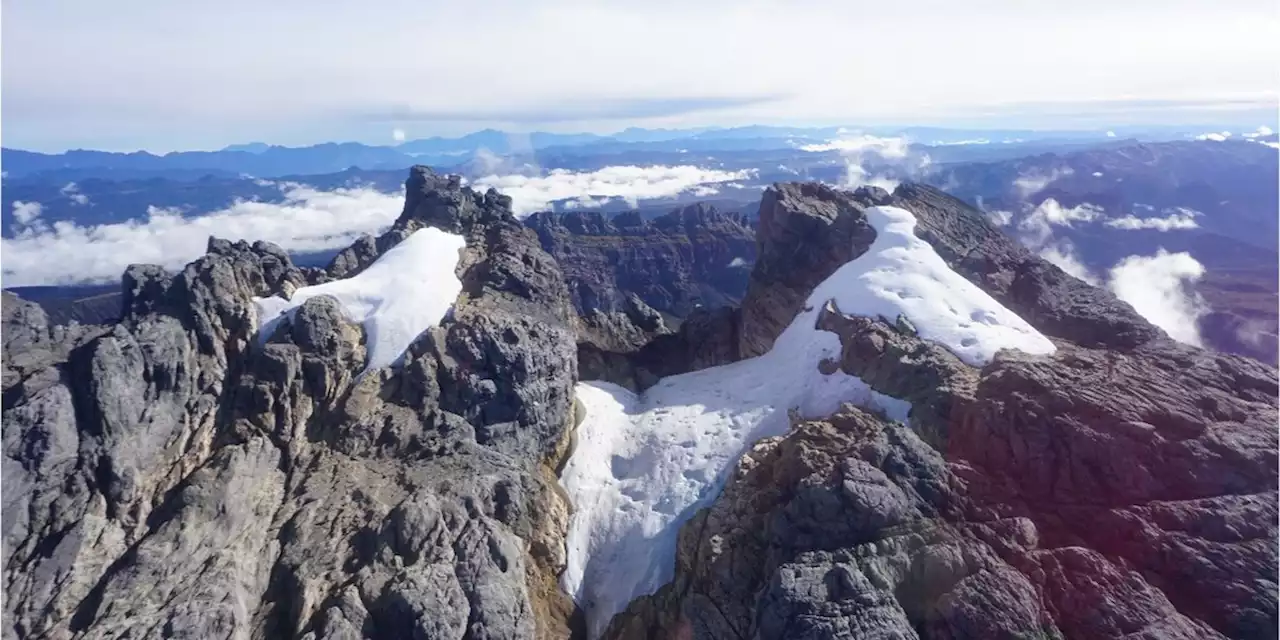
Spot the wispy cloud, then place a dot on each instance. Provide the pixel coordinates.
(537, 193)
(567, 111)
(1063, 255)
(72, 191)
(1000, 218)
(1037, 227)
(1260, 132)
(26, 213)
(859, 151)
(1160, 287)
(1178, 218)
(308, 220)
(1035, 181)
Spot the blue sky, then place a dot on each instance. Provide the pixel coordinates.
(165, 75)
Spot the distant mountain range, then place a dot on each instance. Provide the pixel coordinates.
(270, 161)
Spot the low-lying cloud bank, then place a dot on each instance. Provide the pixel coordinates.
(630, 183)
(307, 221)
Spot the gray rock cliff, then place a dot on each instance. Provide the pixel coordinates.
(169, 476)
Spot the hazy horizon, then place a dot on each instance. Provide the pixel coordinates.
(167, 76)
(1241, 121)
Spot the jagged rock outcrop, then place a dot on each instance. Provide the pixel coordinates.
(690, 258)
(806, 231)
(1125, 486)
(655, 297)
(170, 476)
(1042, 294)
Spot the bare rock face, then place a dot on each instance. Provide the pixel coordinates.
(654, 297)
(170, 476)
(807, 230)
(1124, 486)
(690, 258)
(1049, 505)
(705, 339)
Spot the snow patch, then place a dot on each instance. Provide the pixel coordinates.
(644, 464)
(404, 292)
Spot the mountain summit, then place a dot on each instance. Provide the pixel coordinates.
(899, 423)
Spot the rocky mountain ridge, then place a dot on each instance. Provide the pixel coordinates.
(170, 476)
(1122, 487)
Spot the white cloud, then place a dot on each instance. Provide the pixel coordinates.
(884, 147)
(1160, 288)
(397, 134)
(1215, 137)
(1178, 218)
(1252, 331)
(703, 191)
(1097, 174)
(856, 176)
(26, 213)
(939, 143)
(1000, 218)
(1111, 134)
(1037, 227)
(1035, 181)
(586, 202)
(308, 220)
(859, 150)
(536, 193)
(1262, 131)
(72, 191)
(738, 262)
(1063, 255)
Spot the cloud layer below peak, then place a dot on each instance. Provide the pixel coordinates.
(306, 221)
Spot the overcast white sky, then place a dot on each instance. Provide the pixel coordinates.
(165, 74)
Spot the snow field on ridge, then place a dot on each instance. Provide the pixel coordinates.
(407, 290)
(644, 464)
